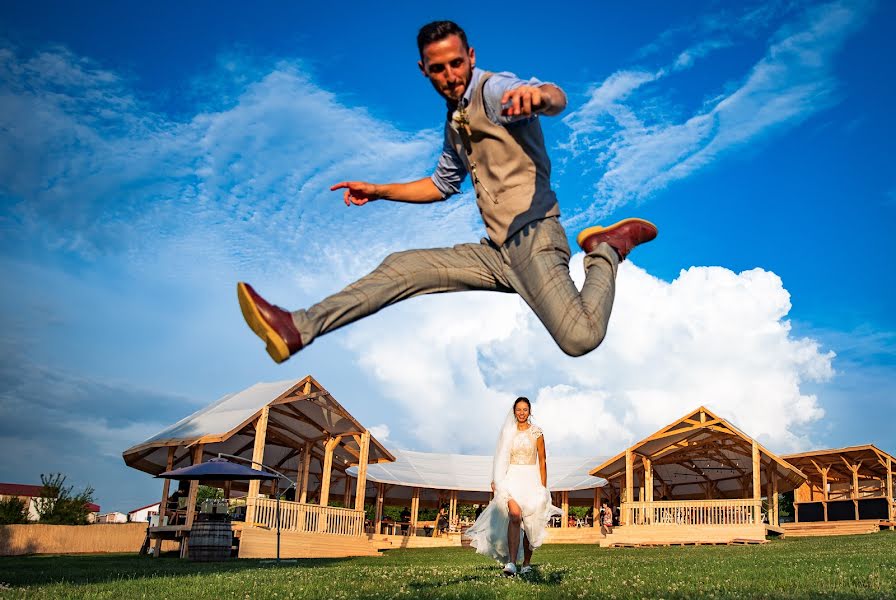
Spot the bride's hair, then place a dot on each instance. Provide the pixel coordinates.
(522, 399)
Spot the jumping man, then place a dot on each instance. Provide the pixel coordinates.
(493, 133)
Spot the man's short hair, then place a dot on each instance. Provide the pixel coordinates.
(439, 30)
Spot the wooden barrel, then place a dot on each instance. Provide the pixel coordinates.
(210, 541)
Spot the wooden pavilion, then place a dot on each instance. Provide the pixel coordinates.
(710, 479)
(297, 428)
(847, 490)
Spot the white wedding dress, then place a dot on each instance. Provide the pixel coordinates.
(519, 479)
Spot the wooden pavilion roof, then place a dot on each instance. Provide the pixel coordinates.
(870, 460)
(300, 411)
(702, 449)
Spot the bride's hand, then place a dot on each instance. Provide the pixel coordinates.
(493, 487)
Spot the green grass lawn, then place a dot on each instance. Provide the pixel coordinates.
(861, 566)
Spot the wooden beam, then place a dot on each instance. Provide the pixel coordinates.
(564, 505)
(306, 465)
(378, 510)
(362, 471)
(297, 414)
(629, 481)
(327, 471)
(167, 484)
(415, 510)
(452, 508)
(194, 488)
(347, 490)
(281, 425)
(261, 430)
(776, 506)
(648, 479)
(163, 507)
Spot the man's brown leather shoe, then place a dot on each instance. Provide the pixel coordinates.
(269, 322)
(621, 236)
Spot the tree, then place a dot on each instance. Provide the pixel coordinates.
(208, 492)
(13, 511)
(58, 505)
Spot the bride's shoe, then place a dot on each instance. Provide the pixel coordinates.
(510, 569)
(526, 570)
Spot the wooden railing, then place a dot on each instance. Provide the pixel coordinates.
(309, 518)
(692, 512)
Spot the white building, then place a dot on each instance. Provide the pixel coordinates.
(143, 514)
(112, 517)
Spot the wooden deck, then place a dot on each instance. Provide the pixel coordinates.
(665, 535)
(821, 528)
(262, 543)
(392, 542)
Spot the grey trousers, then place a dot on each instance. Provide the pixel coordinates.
(533, 263)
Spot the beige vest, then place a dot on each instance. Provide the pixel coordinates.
(509, 166)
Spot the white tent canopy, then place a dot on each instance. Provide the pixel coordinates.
(472, 474)
(300, 411)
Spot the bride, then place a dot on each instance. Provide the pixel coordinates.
(521, 508)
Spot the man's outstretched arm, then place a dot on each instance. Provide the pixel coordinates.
(525, 100)
(360, 193)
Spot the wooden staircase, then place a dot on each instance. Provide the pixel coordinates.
(830, 528)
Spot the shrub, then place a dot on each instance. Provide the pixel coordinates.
(58, 506)
(13, 511)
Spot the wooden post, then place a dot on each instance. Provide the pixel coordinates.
(163, 507)
(306, 466)
(196, 458)
(824, 491)
(452, 508)
(194, 487)
(757, 484)
(327, 470)
(648, 487)
(855, 487)
(378, 513)
(891, 503)
(564, 501)
(169, 465)
(629, 485)
(595, 509)
(361, 488)
(415, 509)
(261, 432)
(347, 491)
(776, 509)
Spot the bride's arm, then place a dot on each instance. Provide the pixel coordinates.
(542, 461)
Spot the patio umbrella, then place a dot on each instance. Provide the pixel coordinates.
(221, 469)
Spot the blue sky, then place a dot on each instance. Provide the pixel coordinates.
(152, 156)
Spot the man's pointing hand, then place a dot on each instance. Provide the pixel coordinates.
(358, 193)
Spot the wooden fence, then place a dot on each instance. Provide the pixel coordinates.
(692, 512)
(73, 539)
(309, 518)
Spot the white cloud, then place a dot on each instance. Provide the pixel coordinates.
(640, 157)
(452, 365)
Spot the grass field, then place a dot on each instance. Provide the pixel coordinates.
(862, 566)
